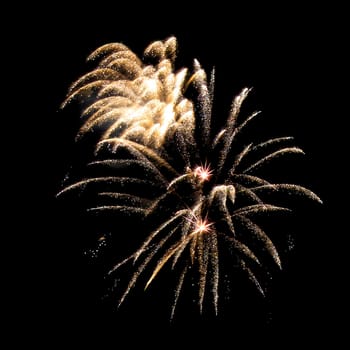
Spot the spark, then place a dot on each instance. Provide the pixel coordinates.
(202, 226)
(203, 173)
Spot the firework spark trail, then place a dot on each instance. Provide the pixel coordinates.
(149, 135)
(261, 236)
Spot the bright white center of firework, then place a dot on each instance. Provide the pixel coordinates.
(203, 173)
(202, 226)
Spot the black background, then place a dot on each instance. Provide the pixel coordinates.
(291, 57)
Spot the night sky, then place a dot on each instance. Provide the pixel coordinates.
(282, 57)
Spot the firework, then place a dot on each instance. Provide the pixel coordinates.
(165, 164)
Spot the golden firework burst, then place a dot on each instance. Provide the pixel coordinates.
(163, 157)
